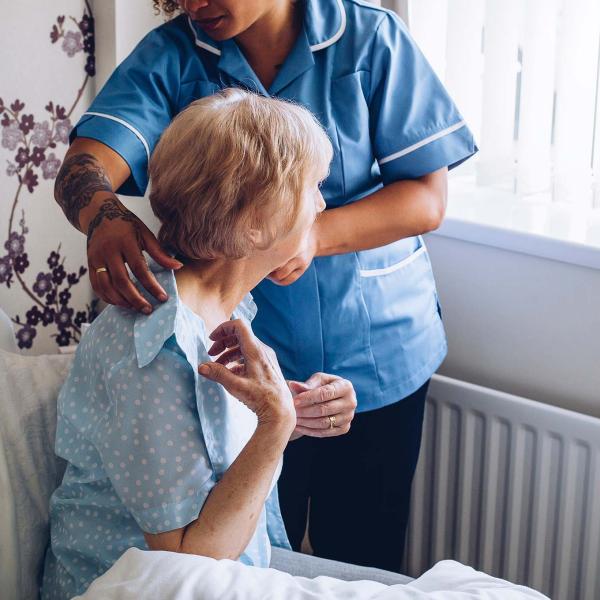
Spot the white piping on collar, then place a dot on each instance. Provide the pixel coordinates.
(338, 34)
(131, 128)
(201, 44)
(314, 48)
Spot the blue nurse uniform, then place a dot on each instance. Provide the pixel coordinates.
(368, 316)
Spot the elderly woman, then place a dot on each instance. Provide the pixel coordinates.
(164, 454)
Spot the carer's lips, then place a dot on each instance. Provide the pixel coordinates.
(210, 24)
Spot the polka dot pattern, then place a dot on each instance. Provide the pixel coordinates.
(145, 439)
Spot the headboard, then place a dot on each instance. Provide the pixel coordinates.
(8, 341)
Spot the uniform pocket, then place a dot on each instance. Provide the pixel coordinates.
(393, 267)
(397, 281)
(399, 292)
(388, 259)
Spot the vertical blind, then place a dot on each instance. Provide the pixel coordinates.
(526, 76)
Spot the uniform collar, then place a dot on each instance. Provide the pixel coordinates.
(324, 24)
(234, 63)
(152, 331)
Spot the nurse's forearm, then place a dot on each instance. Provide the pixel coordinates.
(90, 173)
(398, 210)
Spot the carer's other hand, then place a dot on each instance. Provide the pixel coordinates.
(319, 397)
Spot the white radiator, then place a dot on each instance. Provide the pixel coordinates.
(510, 487)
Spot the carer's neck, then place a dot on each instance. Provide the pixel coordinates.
(269, 40)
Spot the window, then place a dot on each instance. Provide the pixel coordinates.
(526, 76)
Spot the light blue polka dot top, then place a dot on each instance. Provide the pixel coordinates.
(145, 439)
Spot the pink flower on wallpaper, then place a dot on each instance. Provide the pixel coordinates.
(62, 128)
(12, 136)
(50, 166)
(41, 136)
(72, 43)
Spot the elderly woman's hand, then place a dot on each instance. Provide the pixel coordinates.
(317, 399)
(248, 370)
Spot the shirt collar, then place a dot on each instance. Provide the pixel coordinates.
(152, 331)
(324, 23)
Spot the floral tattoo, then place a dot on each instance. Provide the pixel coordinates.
(111, 209)
(80, 177)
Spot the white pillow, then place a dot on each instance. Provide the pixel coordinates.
(29, 469)
(145, 574)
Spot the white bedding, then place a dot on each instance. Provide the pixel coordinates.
(142, 574)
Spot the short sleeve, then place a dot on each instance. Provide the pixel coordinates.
(151, 443)
(415, 126)
(135, 106)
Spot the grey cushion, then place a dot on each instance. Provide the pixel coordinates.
(306, 565)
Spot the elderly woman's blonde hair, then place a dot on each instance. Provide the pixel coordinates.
(233, 162)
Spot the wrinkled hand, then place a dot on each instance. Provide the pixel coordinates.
(248, 369)
(295, 267)
(318, 398)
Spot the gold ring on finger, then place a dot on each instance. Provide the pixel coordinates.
(101, 270)
(331, 421)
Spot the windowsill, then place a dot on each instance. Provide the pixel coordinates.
(533, 226)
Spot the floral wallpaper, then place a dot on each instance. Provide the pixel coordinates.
(43, 288)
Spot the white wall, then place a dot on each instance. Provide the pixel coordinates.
(120, 25)
(519, 323)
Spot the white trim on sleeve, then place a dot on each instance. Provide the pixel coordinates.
(427, 140)
(125, 124)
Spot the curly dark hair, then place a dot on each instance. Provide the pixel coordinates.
(168, 7)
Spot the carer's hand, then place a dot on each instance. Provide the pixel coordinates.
(116, 236)
(318, 398)
(294, 268)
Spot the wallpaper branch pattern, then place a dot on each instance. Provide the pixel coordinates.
(35, 141)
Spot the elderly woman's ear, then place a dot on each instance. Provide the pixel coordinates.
(255, 237)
